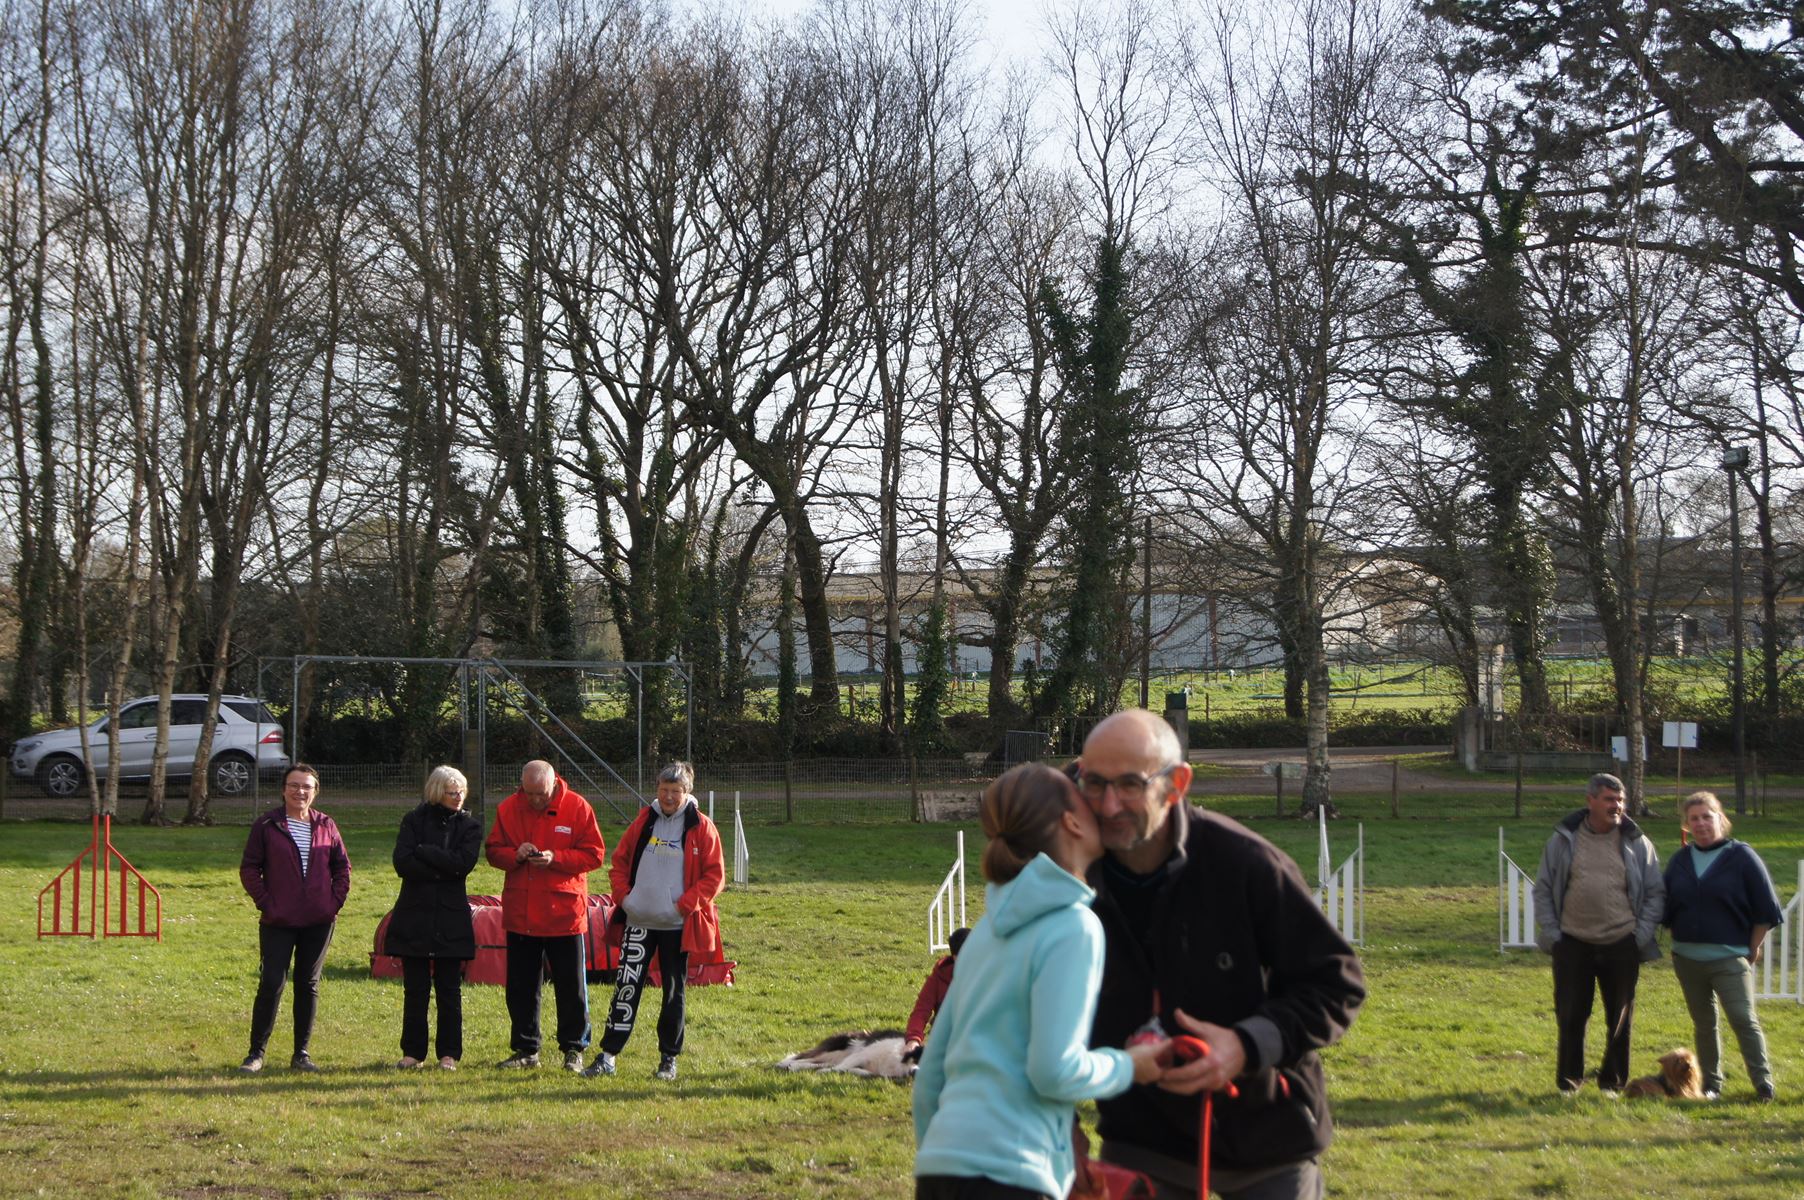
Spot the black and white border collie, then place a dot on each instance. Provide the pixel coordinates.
(873, 1053)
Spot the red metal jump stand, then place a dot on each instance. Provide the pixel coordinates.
(101, 858)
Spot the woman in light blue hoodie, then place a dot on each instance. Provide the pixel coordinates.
(1008, 1058)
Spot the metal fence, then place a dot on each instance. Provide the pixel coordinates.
(810, 790)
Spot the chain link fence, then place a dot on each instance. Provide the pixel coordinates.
(827, 790)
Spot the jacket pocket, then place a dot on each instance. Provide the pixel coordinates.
(1274, 1121)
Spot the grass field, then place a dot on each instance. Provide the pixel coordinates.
(116, 1058)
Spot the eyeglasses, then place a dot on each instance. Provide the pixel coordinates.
(1128, 787)
(299, 785)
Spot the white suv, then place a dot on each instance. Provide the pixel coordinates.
(247, 740)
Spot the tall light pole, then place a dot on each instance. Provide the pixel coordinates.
(1735, 460)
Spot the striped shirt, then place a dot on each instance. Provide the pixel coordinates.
(302, 832)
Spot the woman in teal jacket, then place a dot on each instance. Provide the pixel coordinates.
(1008, 1058)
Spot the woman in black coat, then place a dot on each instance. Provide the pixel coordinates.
(430, 929)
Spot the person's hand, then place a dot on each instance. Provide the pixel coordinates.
(544, 858)
(525, 852)
(911, 1048)
(1146, 1060)
(1214, 1071)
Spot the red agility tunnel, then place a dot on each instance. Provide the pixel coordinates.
(490, 963)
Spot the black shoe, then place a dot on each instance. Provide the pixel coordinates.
(666, 1068)
(300, 1062)
(1764, 1095)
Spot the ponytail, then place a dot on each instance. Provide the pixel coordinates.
(1020, 812)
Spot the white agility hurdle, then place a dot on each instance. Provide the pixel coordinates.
(742, 857)
(1342, 891)
(939, 914)
(1515, 903)
(1786, 958)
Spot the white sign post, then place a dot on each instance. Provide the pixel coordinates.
(1619, 748)
(1680, 736)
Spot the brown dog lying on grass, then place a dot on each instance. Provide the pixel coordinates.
(1679, 1078)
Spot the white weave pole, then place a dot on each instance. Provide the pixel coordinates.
(1515, 902)
(939, 914)
(742, 857)
(1323, 863)
(1780, 974)
(1341, 891)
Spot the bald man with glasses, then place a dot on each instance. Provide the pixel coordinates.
(1212, 931)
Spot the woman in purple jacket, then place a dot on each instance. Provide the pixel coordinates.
(297, 874)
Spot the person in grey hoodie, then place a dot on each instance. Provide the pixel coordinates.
(664, 876)
(1599, 898)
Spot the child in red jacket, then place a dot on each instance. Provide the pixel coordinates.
(933, 994)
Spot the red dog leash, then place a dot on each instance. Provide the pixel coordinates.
(1186, 1049)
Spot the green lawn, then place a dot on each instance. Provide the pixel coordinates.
(116, 1057)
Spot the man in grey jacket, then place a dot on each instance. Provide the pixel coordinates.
(1599, 898)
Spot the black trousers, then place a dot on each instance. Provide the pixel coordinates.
(529, 960)
(1580, 970)
(636, 949)
(420, 977)
(306, 948)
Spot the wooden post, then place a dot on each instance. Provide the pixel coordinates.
(914, 792)
(789, 800)
(1280, 774)
(1518, 785)
(1394, 772)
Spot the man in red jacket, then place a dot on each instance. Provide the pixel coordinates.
(545, 838)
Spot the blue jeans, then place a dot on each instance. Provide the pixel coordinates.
(1730, 980)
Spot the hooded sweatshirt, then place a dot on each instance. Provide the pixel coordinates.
(652, 904)
(1008, 1060)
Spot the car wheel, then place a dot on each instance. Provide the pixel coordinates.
(231, 775)
(60, 776)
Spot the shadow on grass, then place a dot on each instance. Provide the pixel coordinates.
(1441, 1109)
(479, 1082)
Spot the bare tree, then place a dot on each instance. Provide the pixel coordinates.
(766, 360)
(1287, 328)
(33, 84)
